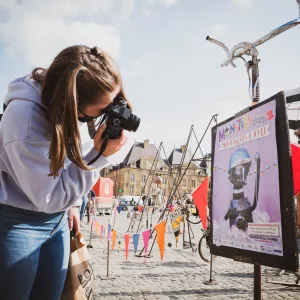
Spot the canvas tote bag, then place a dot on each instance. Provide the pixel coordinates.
(78, 285)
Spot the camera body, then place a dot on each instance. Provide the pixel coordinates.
(119, 117)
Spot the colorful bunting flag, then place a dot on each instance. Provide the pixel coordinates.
(101, 232)
(114, 235)
(146, 236)
(160, 232)
(104, 231)
(200, 200)
(295, 149)
(176, 221)
(136, 237)
(108, 231)
(119, 208)
(126, 237)
(97, 226)
(140, 208)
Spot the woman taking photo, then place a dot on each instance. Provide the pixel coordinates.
(42, 171)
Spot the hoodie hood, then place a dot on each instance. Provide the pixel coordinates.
(24, 88)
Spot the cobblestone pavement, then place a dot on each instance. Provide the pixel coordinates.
(179, 276)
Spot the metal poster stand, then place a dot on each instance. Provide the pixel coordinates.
(211, 281)
(250, 49)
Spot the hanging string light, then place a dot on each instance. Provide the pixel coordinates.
(262, 172)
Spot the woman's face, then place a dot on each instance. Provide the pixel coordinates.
(96, 109)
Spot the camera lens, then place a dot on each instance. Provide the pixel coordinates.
(132, 123)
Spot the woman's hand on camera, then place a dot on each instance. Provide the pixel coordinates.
(113, 146)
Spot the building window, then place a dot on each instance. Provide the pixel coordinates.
(131, 189)
(193, 183)
(142, 190)
(164, 181)
(153, 190)
(144, 165)
(163, 192)
(132, 177)
(184, 182)
(143, 178)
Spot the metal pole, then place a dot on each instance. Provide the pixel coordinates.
(107, 277)
(147, 221)
(189, 228)
(177, 182)
(183, 241)
(94, 218)
(211, 281)
(210, 271)
(107, 264)
(155, 161)
(151, 246)
(257, 281)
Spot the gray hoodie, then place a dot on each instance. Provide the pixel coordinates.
(24, 163)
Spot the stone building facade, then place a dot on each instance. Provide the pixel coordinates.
(134, 176)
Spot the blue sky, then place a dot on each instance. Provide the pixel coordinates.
(171, 74)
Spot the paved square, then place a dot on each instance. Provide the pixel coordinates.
(179, 275)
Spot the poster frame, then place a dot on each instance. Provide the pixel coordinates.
(289, 261)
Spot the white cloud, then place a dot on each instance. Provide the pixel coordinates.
(218, 29)
(164, 2)
(39, 32)
(136, 69)
(148, 4)
(127, 8)
(243, 3)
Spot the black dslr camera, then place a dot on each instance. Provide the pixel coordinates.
(119, 117)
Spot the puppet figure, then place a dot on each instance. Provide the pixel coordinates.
(240, 208)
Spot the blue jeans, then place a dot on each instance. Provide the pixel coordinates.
(34, 254)
(83, 205)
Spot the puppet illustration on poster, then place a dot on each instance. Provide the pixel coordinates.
(245, 197)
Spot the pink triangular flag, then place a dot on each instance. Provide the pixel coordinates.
(126, 237)
(146, 236)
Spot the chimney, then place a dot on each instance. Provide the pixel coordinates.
(182, 148)
(146, 143)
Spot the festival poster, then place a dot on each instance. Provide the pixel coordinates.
(245, 197)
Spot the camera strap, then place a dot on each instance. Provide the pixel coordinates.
(102, 149)
(4, 107)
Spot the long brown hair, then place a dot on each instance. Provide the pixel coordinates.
(77, 77)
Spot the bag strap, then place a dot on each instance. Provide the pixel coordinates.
(75, 237)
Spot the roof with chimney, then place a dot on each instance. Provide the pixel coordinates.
(176, 156)
(139, 150)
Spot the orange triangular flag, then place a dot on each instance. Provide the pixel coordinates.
(160, 232)
(114, 235)
(200, 200)
(97, 226)
(126, 237)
